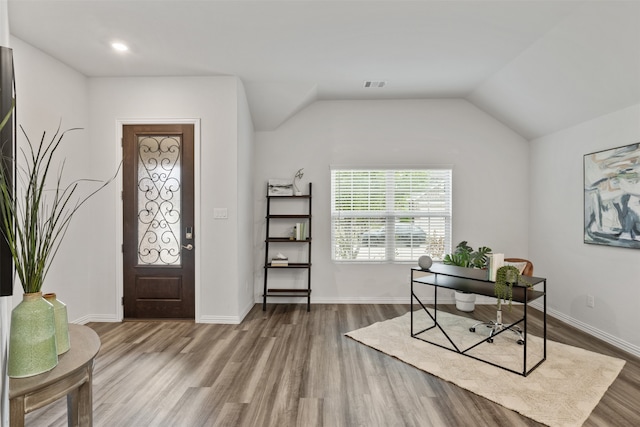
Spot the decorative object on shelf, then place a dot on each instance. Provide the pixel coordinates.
(494, 262)
(300, 231)
(279, 260)
(61, 321)
(32, 338)
(611, 189)
(280, 187)
(34, 218)
(298, 176)
(506, 277)
(425, 262)
(464, 256)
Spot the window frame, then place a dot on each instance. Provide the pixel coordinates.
(390, 216)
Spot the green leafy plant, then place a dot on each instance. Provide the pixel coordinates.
(506, 277)
(464, 256)
(36, 214)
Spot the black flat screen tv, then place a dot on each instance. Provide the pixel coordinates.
(7, 140)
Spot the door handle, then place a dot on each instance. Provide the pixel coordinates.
(189, 247)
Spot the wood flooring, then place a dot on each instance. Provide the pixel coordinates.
(286, 367)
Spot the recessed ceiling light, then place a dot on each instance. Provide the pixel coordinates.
(120, 47)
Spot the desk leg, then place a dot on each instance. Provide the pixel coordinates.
(16, 412)
(411, 300)
(80, 404)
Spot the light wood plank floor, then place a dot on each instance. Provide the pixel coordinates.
(286, 367)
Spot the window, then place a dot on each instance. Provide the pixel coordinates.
(386, 215)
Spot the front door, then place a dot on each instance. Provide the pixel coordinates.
(158, 246)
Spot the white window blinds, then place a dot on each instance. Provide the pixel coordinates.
(386, 215)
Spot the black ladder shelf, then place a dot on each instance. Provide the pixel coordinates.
(269, 240)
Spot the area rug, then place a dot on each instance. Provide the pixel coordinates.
(562, 391)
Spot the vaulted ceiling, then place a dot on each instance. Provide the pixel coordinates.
(538, 66)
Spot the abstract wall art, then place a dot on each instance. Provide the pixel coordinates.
(612, 197)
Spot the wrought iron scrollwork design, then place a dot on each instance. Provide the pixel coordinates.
(159, 200)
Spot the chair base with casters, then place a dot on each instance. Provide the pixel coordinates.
(498, 326)
(526, 269)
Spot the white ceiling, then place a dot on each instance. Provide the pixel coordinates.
(538, 66)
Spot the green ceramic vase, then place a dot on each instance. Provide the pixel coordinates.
(61, 322)
(32, 338)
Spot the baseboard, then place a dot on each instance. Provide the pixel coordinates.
(222, 320)
(105, 318)
(350, 300)
(372, 300)
(246, 310)
(227, 320)
(597, 333)
(363, 300)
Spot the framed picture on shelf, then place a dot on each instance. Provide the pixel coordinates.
(612, 197)
(280, 187)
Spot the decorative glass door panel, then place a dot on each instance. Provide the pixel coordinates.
(159, 198)
(158, 249)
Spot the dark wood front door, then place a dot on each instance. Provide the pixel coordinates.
(158, 249)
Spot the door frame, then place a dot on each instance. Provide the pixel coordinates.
(119, 207)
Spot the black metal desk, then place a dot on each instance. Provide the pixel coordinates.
(476, 281)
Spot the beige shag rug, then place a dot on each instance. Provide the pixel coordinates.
(562, 391)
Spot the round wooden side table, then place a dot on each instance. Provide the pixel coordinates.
(71, 377)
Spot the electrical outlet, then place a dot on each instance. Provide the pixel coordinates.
(591, 301)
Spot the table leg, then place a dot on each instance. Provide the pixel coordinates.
(80, 404)
(73, 417)
(16, 412)
(85, 403)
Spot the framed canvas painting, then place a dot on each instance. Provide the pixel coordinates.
(280, 187)
(612, 197)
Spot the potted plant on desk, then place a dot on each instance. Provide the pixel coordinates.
(465, 256)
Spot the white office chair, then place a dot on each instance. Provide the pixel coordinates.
(526, 269)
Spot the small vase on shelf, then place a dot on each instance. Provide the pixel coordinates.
(61, 321)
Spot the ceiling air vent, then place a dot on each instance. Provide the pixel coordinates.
(373, 84)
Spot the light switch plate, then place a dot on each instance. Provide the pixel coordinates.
(220, 213)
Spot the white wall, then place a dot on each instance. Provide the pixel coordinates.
(84, 273)
(50, 93)
(245, 204)
(575, 269)
(490, 180)
(214, 101)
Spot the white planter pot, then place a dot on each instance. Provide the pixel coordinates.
(465, 302)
